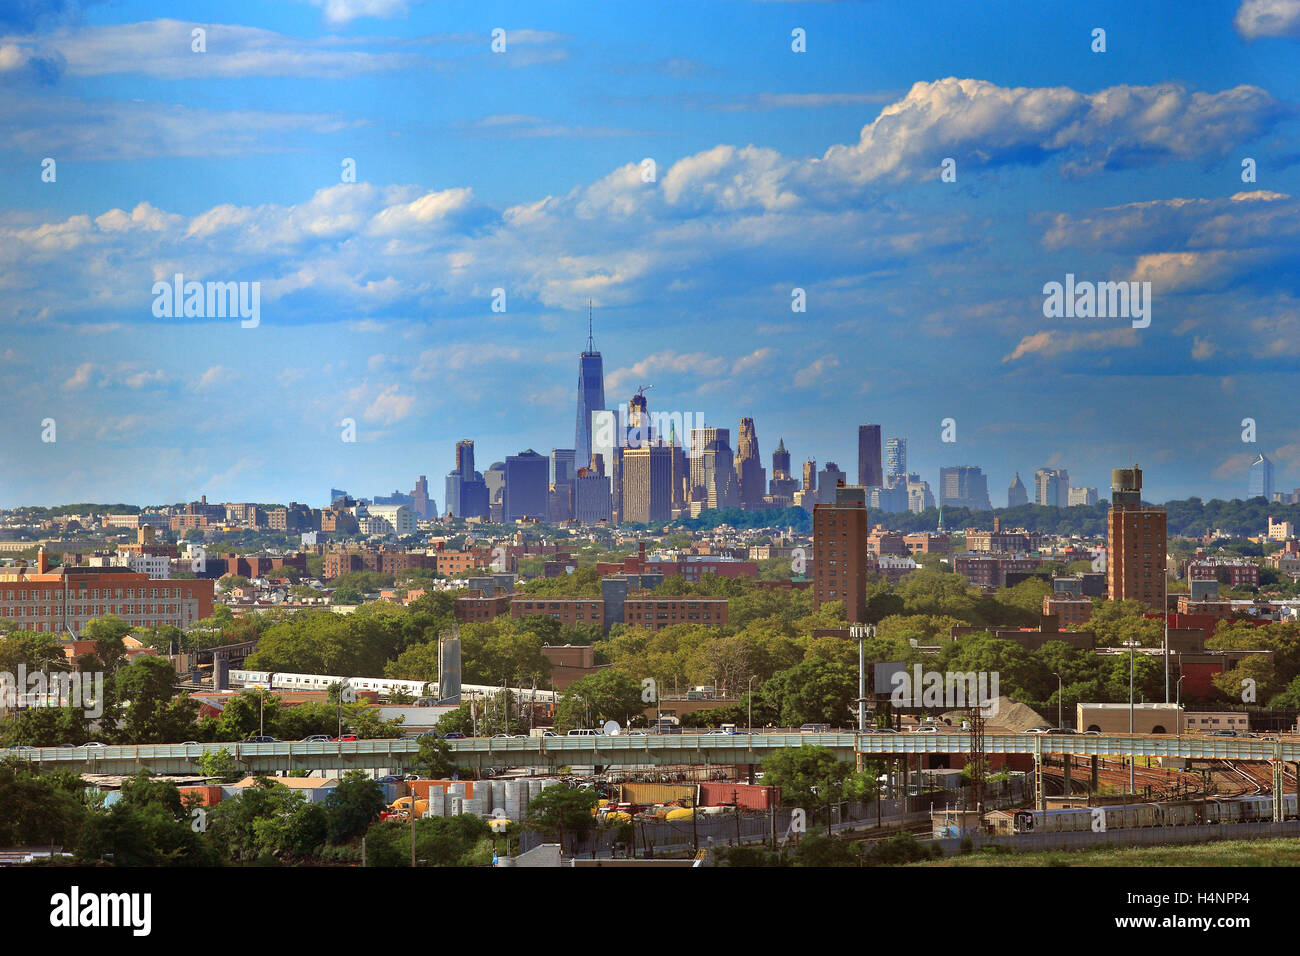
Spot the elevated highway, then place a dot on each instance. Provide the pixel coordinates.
(650, 750)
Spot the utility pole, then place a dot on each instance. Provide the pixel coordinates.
(1132, 649)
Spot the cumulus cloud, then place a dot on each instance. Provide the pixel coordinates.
(815, 372)
(389, 406)
(1268, 18)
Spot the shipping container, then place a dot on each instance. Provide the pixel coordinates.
(209, 796)
(748, 796)
(651, 793)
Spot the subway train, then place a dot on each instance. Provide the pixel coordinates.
(1258, 809)
(380, 685)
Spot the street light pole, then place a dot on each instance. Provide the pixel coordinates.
(750, 700)
(1059, 691)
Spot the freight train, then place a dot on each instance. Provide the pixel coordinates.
(380, 685)
(1256, 809)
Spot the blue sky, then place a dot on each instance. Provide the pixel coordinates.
(522, 170)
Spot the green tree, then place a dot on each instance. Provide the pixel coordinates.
(599, 697)
(559, 810)
(353, 806)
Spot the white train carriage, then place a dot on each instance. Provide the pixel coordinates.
(384, 686)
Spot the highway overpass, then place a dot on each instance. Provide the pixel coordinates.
(551, 753)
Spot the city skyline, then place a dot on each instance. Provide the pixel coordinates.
(381, 226)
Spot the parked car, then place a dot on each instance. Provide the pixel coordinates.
(815, 729)
(925, 729)
(343, 737)
(94, 743)
(502, 736)
(250, 740)
(316, 739)
(453, 736)
(191, 743)
(1062, 731)
(1036, 730)
(585, 732)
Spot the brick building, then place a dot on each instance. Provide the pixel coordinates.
(565, 610)
(840, 558)
(63, 600)
(656, 612)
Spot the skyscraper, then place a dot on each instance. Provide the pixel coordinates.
(828, 479)
(467, 495)
(563, 474)
(713, 469)
(895, 457)
(1135, 560)
(1052, 487)
(465, 458)
(840, 551)
(681, 472)
(647, 484)
(869, 473)
(494, 480)
(423, 506)
(591, 397)
(964, 486)
(809, 475)
(753, 476)
(780, 461)
(1261, 478)
(1016, 494)
(527, 491)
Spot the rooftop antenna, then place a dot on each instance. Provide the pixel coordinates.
(591, 347)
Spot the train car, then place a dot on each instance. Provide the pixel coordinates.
(1079, 819)
(1185, 813)
(380, 685)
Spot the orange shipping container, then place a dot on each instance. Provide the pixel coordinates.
(748, 796)
(209, 796)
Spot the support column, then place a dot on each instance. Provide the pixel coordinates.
(1040, 795)
(1066, 762)
(1092, 785)
(1279, 782)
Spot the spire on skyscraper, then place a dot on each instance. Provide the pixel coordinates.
(591, 343)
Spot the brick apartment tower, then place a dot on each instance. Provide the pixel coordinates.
(1135, 564)
(840, 552)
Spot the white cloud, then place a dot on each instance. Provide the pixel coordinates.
(1268, 18)
(816, 372)
(215, 375)
(1053, 342)
(81, 378)
(390, 406)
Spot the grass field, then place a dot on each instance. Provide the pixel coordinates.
(1273, 852)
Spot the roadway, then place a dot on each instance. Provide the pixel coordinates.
(650, 750)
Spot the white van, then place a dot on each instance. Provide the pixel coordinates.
(586, 733)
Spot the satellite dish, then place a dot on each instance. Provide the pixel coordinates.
(611, 728)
